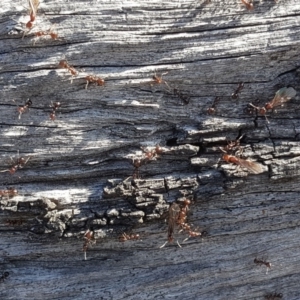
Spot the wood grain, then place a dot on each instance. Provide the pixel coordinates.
(81, 167)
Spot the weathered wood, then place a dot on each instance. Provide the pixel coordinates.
(81, 167)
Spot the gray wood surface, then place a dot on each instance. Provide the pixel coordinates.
(80, 167)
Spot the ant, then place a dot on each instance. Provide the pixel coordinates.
(233, 146)
(261, 262)
(125, 237)
(158, 79)
(137, 163)
(11, 192)
(64, 64)
(32, 15)
(184, 98)
(19, 164)
(54, 107)
(33, 11)
(273, 296)
(23, 108)
(249, 5)
(212, 109)
(252, 166)
(174, 210)
(235, 95)
(153, 153)
(10, 222)
(283, 95)
(182, 220)
(53, 35)
(89, 240)
(94, 79)
(4, 276)
(177, 216)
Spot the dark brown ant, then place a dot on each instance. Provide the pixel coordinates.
(261, 262)
(252, 166)
(177, 216)
(235, 95)
(23, 108)
(94, 79)
(16, 222)
(4, 276)
(89, 240)
(273, 296)
(55, 106)
(64, 64)
(184, 98)
(283, 95)
(128, 237)
(249, 5)
(212, 109)
(11, 192)
(174, 210)
(19, 164)
(137, 163)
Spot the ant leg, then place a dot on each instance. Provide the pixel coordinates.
(164, 245)
(178, 244)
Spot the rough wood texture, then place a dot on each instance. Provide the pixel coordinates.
(78, 175)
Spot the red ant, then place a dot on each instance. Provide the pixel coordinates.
(273, 296)
(252, 166)
(249, 5)
(283, 95)
(212, 109)
(19, 164)
(125, 237)
(33, 11)
(53, 35)
(235, 95)
(182, 220)
(11, 192)
(64, 64)
(32, 15)
(153, 153)
(94, 79)
(4, 276)
(89, 241)
(23, 108)
(54, 107)
(233, 146)
(158, 79)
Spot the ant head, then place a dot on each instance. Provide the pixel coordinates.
(225, 157)
(187, 202)
(53, 35)
(63, 63)
(52, 116)
(170, 239)
(263, 110)
(12, 170)
(100, 81)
